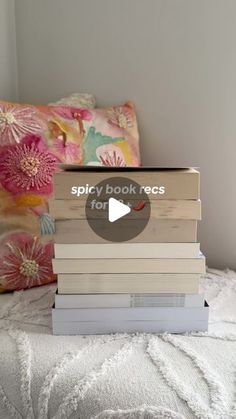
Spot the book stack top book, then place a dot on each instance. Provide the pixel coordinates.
(182, 183)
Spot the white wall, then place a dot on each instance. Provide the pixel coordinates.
(174, 58)
(8, 67)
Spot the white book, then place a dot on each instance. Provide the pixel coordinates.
(126, 250)
(128, 300)
(129, 320)
(141, 265)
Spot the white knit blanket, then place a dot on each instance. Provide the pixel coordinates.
(117, 376)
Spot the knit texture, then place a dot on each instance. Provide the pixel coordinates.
(117, 376)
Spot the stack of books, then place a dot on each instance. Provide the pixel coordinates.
(147, 284)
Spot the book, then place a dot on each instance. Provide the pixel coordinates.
(175, 184)
(128, 300)
(129, 320)
(62, 209)
(126, 250)
(196, 265)
(157, 231)
(131, 283)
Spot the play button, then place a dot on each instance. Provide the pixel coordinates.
(117, 210)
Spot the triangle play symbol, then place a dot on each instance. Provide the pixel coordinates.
(117, 210)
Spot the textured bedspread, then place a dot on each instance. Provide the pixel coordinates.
(119, 376)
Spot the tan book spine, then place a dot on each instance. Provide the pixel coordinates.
(159, 231)
(61, 209)
(178, 184)
(133, 283)
(196, 265)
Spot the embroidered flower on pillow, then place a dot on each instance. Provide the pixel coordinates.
(110, 155)
(25, 262)
(120, 117)
(17, 121)
(27, 167)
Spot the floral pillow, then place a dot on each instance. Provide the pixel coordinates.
(33, 140)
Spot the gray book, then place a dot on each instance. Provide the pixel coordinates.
(129, 320)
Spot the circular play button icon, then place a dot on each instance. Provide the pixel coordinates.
(118, 209)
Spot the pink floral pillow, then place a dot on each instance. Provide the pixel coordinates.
(33, 140)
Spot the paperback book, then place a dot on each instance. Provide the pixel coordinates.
(127, 250)
(156, 231)
(128, 300)
(179, 184)
(105, 283)
(130, 320)
(144, 265)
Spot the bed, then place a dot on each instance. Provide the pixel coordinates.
(117, 376)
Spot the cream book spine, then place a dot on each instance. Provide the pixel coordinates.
(156, 231)
(61, 209)
(132, 283)
(196, 265)
(126, 250)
